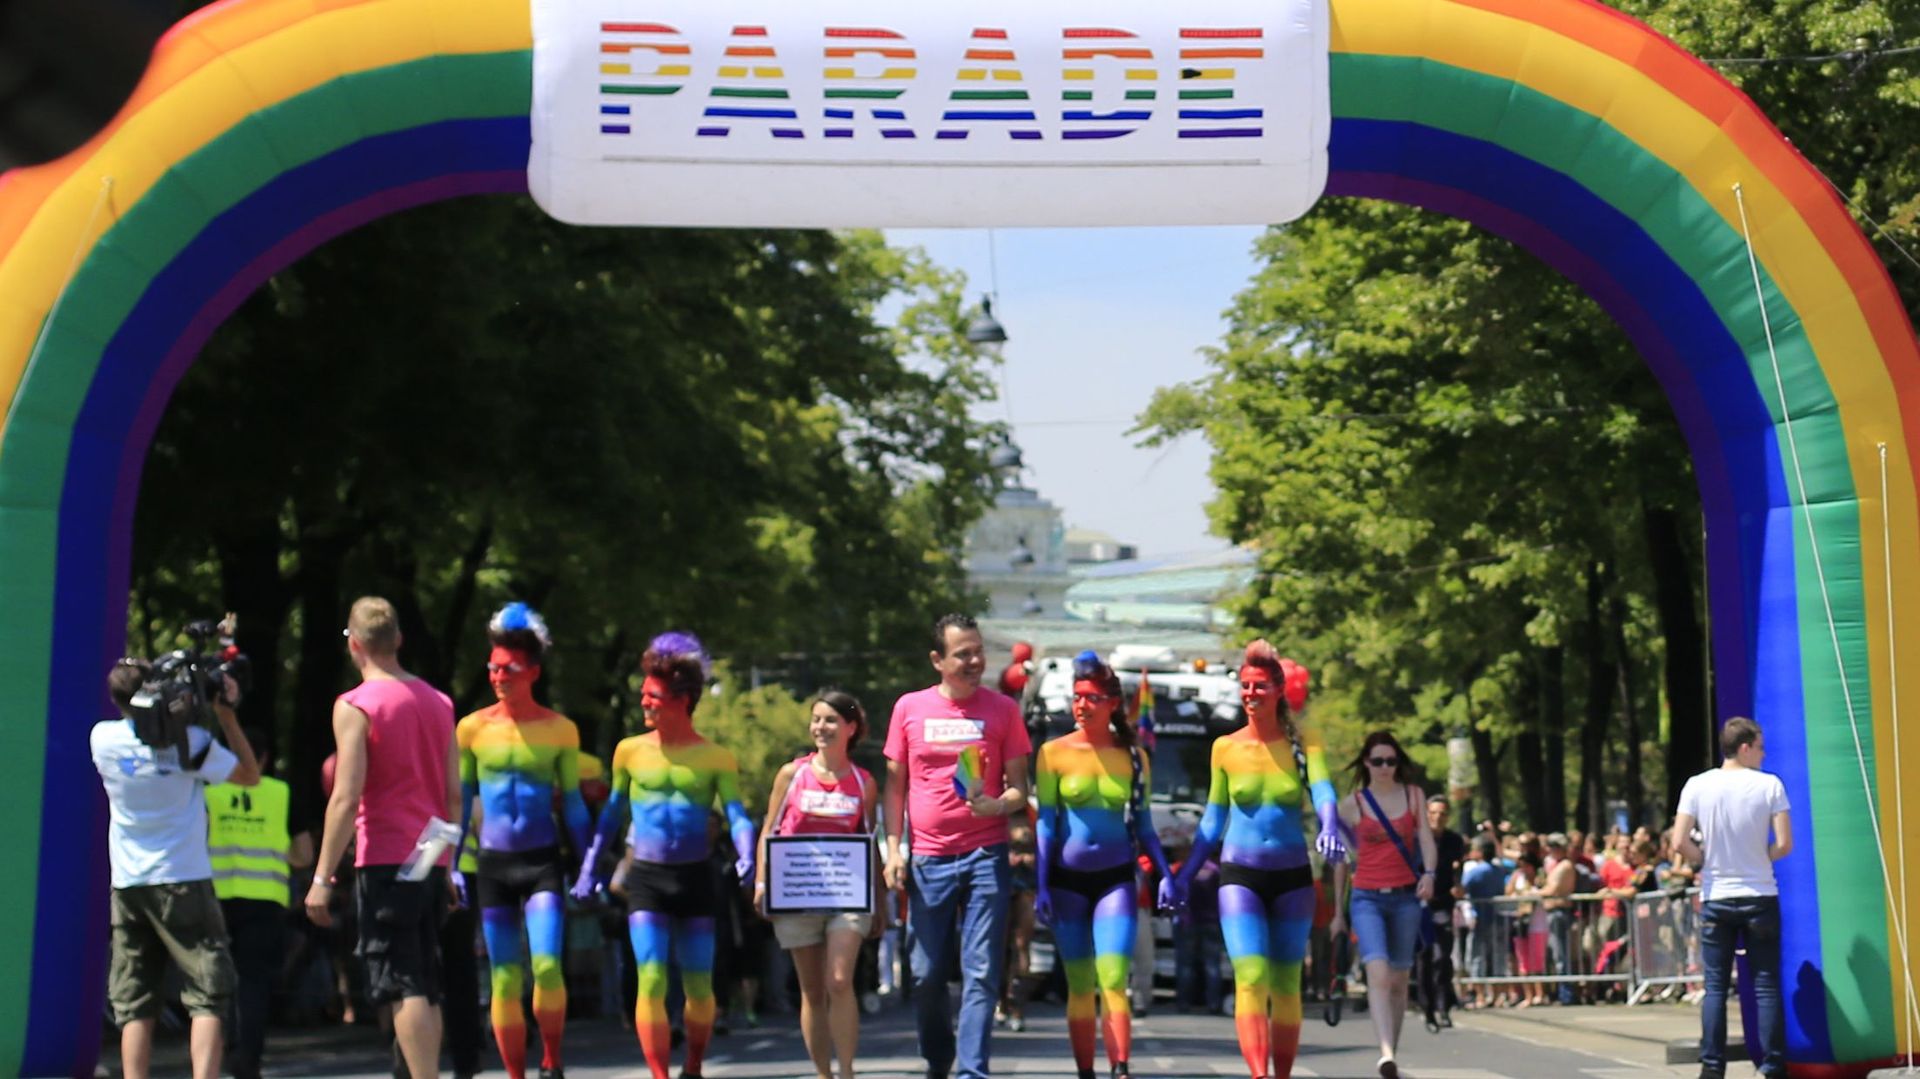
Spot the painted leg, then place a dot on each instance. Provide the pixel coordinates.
(693, 947)
(1073, 941)
(1243, 922)
(546, 936)
(1113, 936)
(1291, 921)
(500, 928)
(650, 933)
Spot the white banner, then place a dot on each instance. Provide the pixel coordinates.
(838, 113)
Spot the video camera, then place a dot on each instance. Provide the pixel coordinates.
(185, 683)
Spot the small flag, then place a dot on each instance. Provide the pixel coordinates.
(968, 776)
(1144, 724)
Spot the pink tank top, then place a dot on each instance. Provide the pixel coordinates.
(409, 731)
(816, 806)
(1379, 863)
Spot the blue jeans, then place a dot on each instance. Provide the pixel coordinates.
(1757, 920)
(1387, 925)
(963, 895)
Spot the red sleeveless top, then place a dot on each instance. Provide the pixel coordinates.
(1379, 864)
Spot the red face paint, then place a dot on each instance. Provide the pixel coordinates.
(511, 674)
(658, 701)
(1091, 704)
(1258, 691)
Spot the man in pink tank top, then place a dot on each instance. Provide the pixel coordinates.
(397, 769)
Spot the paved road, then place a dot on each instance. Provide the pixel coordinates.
(1166, 1046)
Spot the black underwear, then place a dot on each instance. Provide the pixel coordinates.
(1090, 883)
(1268, 884)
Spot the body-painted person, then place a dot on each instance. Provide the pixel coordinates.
(1262, 775)
(668, 780)
(1094, 816)
(516, 755)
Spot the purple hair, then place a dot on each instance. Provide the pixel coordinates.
(681, 661)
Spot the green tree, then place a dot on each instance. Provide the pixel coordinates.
(631, 429)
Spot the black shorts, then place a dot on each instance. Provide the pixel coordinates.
(400, 932)
(1268, 884)
(1092, 884)
(508, 878)
(680, 889)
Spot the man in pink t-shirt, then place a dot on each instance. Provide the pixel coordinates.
(398, 768)
(959, 883)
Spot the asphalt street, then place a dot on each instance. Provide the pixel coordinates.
(1594, 1043)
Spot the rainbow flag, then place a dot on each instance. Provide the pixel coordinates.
(1143, 723)
(969, 778)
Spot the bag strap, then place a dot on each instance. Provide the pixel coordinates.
(1133, 797)
(804, 760)
(1399, 844)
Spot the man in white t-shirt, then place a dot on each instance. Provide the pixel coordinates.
(164, 906)
(1741, 815)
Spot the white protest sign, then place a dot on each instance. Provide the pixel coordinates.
(819, 872)
(831, 113)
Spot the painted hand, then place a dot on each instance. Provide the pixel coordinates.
(587, 884)
(1173, 894)
(1043, 907)
(1330, 844)
(744, 867)
(459, 882)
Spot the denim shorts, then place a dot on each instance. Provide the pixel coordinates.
(1387, 925)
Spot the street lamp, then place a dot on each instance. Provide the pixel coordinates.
(985, 329)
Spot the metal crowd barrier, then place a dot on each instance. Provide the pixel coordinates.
(1646, 943)
(1665, 942)
(1564, 940)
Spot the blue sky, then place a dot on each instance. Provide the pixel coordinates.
(1096, 320)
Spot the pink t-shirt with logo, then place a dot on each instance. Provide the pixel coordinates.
(817, 806)
(409, 732)
(926, 734)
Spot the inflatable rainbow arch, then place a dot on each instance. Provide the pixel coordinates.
(265, 127)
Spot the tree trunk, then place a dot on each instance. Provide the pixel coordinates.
(1690, 727)
(1601, 678)
(460, 603)
(1528, 750)
(322, 658)
(1486, 762)
(1553, 717)
(251, 587)
(1636, 788)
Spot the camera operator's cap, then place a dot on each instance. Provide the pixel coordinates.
(1557, 839)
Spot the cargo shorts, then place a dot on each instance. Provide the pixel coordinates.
(153, 923)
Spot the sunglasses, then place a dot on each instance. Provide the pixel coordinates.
(1383, 762)
(1093, 698)
(510, 668)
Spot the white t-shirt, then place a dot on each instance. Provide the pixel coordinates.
(1735, 808)
(157, 822)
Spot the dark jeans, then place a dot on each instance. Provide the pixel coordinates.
(1560, 951)
(460, 1009)
(1754, 921)
(958, 899)
(1196, 964)
(258, 930)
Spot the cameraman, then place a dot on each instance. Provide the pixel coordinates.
(163, 899)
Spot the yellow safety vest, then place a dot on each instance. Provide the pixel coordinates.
(247, 837)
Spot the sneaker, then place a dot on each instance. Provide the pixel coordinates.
(1120, 1070)
(1017, 1023)
(553, 1073)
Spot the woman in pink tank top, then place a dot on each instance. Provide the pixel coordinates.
(1392, 881)
(825, 793)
